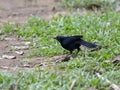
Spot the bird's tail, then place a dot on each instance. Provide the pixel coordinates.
(88, 44)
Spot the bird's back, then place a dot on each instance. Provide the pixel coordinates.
(69, 42)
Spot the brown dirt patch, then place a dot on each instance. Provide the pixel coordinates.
(17, 11)
(5, 49)
(20, 62)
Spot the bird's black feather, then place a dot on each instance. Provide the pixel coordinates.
(73, 42)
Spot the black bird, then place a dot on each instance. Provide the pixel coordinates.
(73, 42)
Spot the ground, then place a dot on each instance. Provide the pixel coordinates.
(18, 12)
(14, 12)
(30, 57)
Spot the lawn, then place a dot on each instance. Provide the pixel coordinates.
(102, 29)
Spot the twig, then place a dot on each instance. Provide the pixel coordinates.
(113, 86)
(64, 58)
(72, 85)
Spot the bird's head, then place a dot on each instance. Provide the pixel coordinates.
(59, 38)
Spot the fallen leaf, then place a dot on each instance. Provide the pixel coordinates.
(116, 59)
(9, 39)
(26, 65)
(4, 67)
(20, 47)
(108, 61)
(19, 52)
(8, 57)
(27, 43)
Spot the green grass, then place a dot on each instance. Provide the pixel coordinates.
(105, 4)
(94, 28)
(102, 29)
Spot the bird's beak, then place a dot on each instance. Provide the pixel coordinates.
(54, 37)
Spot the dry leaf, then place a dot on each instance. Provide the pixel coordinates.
(27, 43)
(9, 39)
(20, 47)
(116, 59)
(8, 57)
(19, 52)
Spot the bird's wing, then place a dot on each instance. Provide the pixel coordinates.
(71, 39)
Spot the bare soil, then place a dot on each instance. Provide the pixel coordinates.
(12, 44)
(17, 11)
